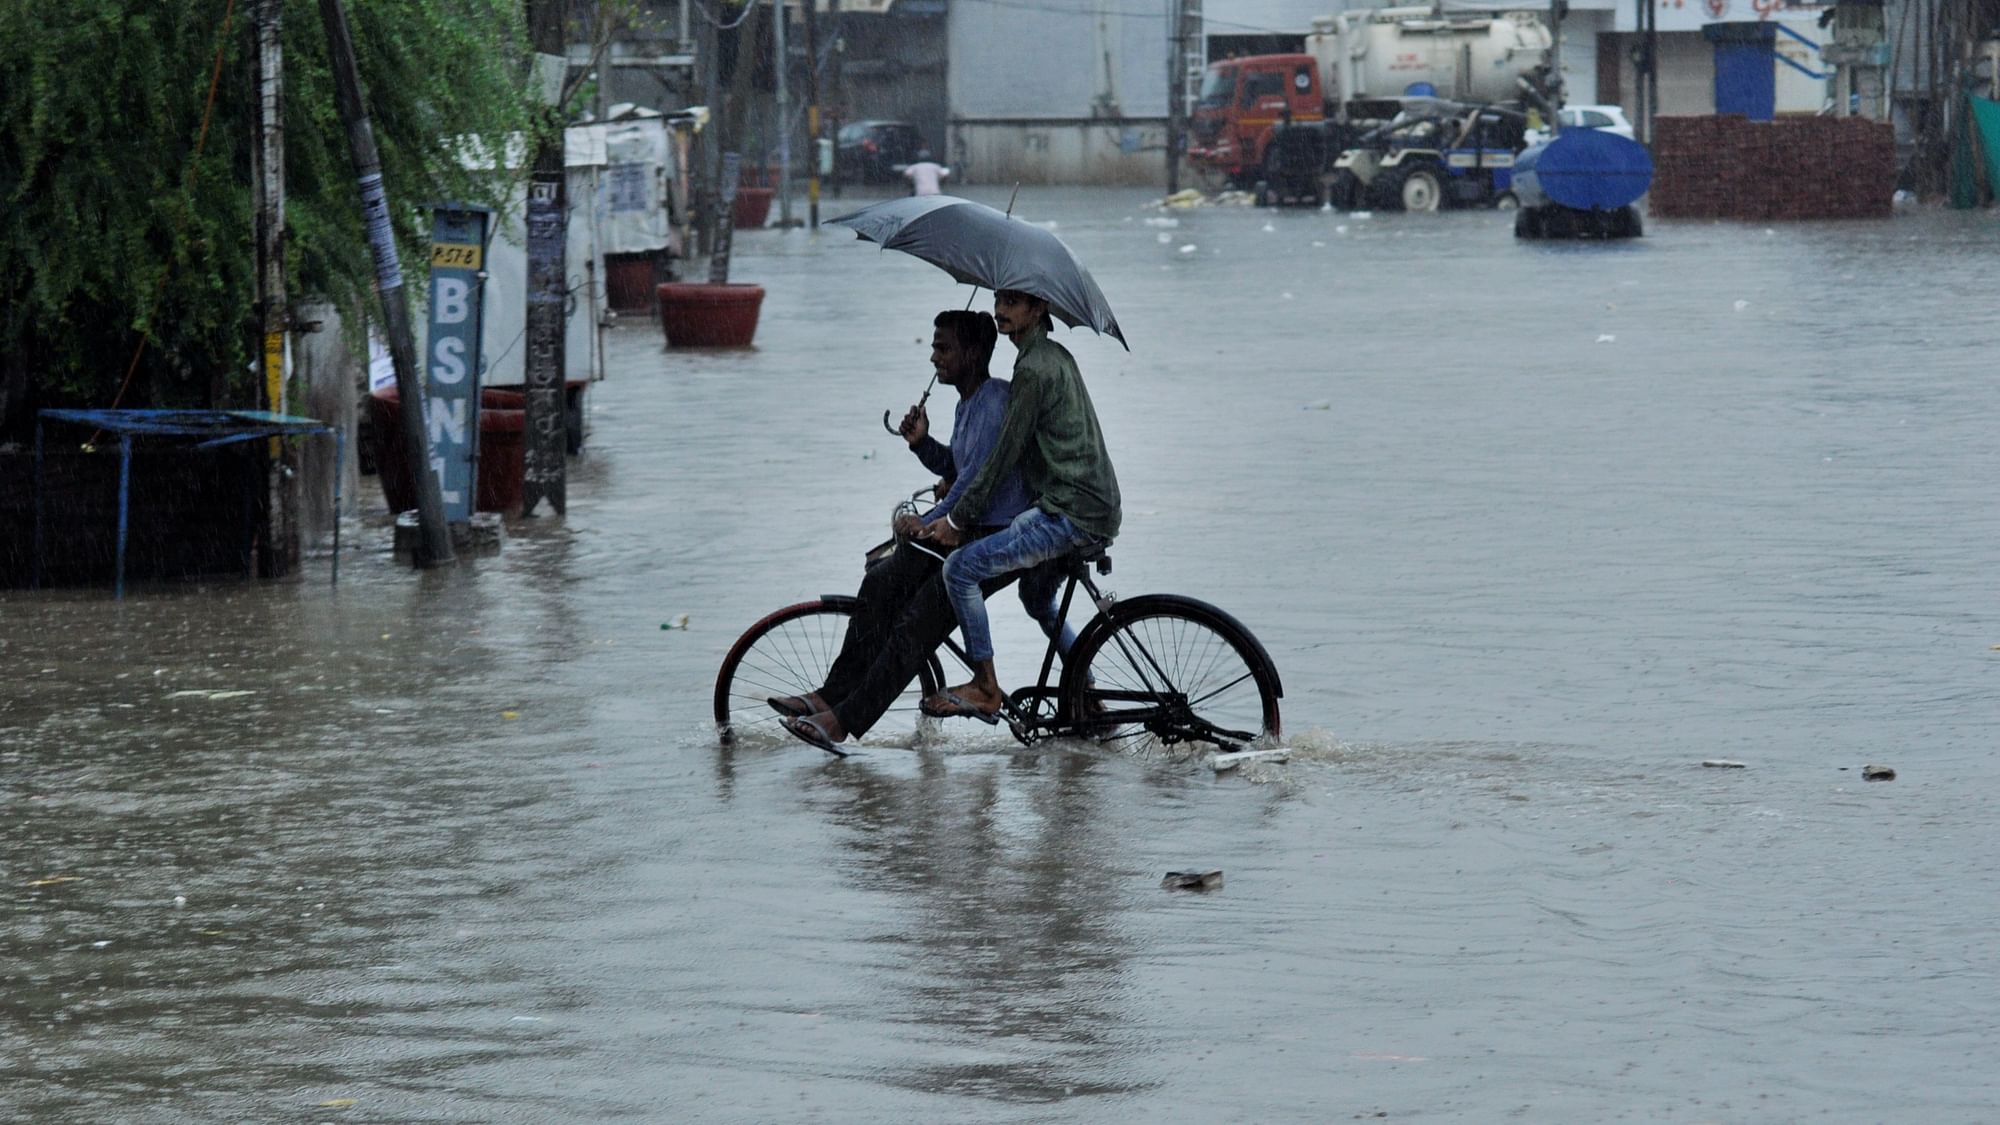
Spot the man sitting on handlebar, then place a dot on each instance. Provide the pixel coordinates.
(904, 612)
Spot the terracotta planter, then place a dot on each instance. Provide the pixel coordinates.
(628, 282)
(502, 450)
(701, 315)
(753, 207)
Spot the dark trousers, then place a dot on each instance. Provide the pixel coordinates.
(904, 616)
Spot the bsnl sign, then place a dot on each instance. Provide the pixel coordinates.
(451, 362)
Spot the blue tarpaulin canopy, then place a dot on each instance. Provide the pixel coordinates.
(206, 428)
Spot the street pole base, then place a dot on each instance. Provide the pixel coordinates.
(483, 536)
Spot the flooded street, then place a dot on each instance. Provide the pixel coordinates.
(1530, 529)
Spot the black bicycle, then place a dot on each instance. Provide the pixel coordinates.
(1158, 667)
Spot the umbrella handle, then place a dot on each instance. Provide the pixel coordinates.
(920, 405)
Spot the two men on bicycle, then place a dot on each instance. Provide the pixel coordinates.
(904, 612)
(1051, 437)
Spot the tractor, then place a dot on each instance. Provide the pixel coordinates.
(1431, 155)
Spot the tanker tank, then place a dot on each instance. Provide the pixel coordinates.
(1581, 183)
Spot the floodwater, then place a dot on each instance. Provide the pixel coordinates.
(1531, 530)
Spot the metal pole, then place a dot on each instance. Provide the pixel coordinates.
(1558, 87)
(837, 103)
(780, 16)
(339, 467)
(1176, 47)
(124, 505)
(812, 113)
(1652, 65)
(434, 543)
(35, 578)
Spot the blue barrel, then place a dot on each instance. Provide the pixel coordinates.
(1585, 169)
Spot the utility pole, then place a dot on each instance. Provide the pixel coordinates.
(544, 472)
(1183, 60)
(780, 16)
(268, 159)
(1558, 91)
(837, 103)
(711, 95)
(434, 541)
(812, 113)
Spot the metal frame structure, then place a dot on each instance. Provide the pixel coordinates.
(215, 427)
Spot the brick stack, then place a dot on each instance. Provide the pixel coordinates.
(1729, 167)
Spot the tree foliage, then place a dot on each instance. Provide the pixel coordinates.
(112, 229)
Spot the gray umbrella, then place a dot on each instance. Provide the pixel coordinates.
(981, 246)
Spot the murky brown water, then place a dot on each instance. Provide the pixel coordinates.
(1530, 529)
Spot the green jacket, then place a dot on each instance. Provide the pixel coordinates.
(1050, 431)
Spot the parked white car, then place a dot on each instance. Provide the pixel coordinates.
(1610, 118)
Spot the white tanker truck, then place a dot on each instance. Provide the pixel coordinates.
(1381, 53)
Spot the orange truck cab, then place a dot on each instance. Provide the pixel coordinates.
(1242, 100)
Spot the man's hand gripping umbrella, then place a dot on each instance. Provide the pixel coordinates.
(986, 248)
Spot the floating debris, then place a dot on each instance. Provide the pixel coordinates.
(1721, 764)
(1877, 773)
(680, 622)
(1191, 880)
(1221, 762)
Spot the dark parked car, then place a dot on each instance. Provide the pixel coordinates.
(872, 151)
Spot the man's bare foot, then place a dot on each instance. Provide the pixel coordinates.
(826, 722)
(985, 696)
(967, 700)
(797, 706)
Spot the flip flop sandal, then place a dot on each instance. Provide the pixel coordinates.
(955, 706)
(805, 730)
(797, 708)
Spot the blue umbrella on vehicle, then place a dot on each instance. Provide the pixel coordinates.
(979, 245)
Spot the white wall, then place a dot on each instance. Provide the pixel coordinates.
(1022, 59)
(1128, 152)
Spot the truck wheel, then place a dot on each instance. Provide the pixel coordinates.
(1506, 201)
(1420, 187)
(1528, 223)
(1629, 223)
(1344, 190)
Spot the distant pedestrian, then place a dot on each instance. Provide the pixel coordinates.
(926, 176)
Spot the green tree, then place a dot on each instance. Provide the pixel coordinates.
(113, 230)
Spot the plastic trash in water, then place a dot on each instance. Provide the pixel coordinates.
(1192, 880)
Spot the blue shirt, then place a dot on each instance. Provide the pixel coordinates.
(974, 427)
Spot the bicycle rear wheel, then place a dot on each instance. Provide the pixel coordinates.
(789, 653)
(1171, 669)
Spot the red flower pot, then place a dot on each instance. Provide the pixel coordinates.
(753, 207)
(702, 315)
(502, 449)
(628, 282)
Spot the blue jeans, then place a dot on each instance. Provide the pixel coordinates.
(1034, 537)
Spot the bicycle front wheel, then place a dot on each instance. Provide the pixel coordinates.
(1171, 669)
(790, 653)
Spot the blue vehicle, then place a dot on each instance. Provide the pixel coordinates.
(1581, 183)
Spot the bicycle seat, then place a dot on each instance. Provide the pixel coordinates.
(1099, 554)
